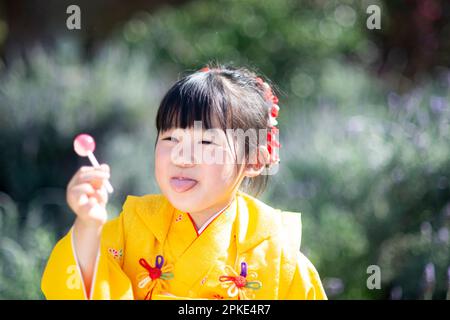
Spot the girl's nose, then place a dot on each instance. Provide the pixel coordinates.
(183, 155)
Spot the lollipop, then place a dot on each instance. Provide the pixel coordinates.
(84, 146)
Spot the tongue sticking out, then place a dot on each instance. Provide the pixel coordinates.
(182, 185)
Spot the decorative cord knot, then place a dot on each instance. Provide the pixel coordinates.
(154, 277)
(238, 284)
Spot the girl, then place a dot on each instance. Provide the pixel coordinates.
(203, 237)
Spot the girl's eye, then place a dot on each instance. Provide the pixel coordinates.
(175, 140)
(170, 139)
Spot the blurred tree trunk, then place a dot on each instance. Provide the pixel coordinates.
(31, 22)
(415, 34)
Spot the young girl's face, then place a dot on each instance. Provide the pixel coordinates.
(196, 169)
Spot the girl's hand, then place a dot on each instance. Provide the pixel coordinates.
(86, 194)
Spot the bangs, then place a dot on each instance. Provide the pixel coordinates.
(197, 97)
(220, 98)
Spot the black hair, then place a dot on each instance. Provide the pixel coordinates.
(222, 96)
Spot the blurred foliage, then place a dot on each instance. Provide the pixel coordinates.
(368, 167)
(23, 251)
(369, 178)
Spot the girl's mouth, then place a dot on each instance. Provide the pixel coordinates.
(182, 184)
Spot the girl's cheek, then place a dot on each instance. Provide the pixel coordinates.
(162, 152)
(229, 157)
(219, 172)
(161, 159)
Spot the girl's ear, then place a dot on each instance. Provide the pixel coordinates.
(257, 164)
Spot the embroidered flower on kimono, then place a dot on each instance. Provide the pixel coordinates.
(117, 254)
(154, 277)
(239, 284)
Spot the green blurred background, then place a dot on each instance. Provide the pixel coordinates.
(364, 123)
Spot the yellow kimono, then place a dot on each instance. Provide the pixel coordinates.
(152, 251)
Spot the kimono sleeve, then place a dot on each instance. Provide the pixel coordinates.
(306, 283)
(299, 278)
(62, 276)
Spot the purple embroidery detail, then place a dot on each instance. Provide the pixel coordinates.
(244, 269)
(159, 261)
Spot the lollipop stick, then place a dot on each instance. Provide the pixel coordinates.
(95, 163)
(93, 160)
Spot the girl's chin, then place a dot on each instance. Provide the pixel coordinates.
(183, 201)
(183, 206)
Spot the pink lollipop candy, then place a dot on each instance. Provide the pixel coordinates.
(84, 146)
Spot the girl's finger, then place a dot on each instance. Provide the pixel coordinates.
(82, 188)
(104, 167)
(79, 194)
(99, 174)
(86, 168)
(95, 211)
(101, 195)
(83, 199)
(88, 205)
(96, 182)
(81, 172)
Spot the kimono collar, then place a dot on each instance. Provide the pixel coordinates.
(155, 211)
(255, 221)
